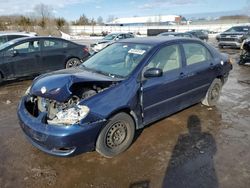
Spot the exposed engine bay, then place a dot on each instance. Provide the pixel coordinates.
(70, 111)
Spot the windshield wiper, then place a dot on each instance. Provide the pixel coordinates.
(107, 74)
(101, 72)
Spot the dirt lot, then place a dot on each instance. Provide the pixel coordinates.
(169, 153)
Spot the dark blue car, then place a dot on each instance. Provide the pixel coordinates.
(124, 87)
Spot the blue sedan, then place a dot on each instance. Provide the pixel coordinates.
(126, 86)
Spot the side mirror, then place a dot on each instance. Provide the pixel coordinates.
(15, 53)
(12, 53)
(153, 72)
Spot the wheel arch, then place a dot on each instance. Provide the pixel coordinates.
(128, 111)
(70, 57)
(221, 77)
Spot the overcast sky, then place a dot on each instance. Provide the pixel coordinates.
(72, 9)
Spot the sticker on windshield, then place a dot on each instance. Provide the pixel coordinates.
(136, 51)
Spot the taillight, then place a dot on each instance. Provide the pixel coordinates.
(85, 49)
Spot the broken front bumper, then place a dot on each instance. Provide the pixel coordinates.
(57, 139)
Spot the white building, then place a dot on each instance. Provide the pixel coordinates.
(149, 20)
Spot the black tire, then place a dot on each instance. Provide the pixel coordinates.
(221, 47)
(241, 62)
(116, 136)
(213, 93)
(72, 62)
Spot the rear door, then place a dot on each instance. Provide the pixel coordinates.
(199, 71)
(24, 58)
(162, 95)
(54, 53)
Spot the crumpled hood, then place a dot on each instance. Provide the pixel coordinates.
(56, 85)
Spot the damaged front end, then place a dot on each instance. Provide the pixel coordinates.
(69, 112)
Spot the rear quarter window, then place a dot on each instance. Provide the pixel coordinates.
(54, 44)
(196, 53)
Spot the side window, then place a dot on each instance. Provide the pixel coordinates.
(54, 44)
(27, 47)
(196, 53)
(128, 36)
(167, 59)
(3, 39)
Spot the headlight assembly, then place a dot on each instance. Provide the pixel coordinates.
(70, 116)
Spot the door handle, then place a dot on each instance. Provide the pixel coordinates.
(182, 75)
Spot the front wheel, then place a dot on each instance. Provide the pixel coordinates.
(213, 93)
(116, 136)
(72, 62)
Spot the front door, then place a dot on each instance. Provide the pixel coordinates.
(24, 58)
(162, 96)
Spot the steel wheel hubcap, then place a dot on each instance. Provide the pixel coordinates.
(215, 92)
(116, 134)
(73, 63)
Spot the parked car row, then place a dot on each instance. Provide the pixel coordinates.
(200, 34)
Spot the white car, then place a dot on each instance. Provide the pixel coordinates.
(7, 36)
(109, 39)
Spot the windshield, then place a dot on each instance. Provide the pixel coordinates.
(238, 29)
(6, 44)
(110, 37)
(117, 60)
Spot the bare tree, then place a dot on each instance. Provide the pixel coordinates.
(83, 20)
(100, 20)
(24, 22)
(60, 22)
(44, 13)
(110, 18)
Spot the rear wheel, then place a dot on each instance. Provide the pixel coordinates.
(116, 136)
(213, 93)
(72, 62)
(241, 62)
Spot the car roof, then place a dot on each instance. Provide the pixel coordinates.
(156, 40)
(5, 33)
(170, 33)
(35, 37)
(14, 41)
(120, 33)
